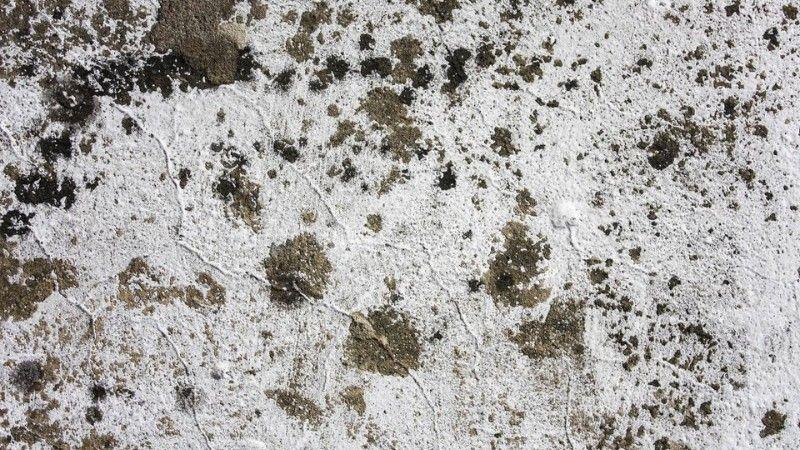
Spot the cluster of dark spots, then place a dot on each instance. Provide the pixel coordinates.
(139, 285)
(288, 149)
(560, 334)
(240, 194)
(93, 414)
(297, 269)
(381, 65)
(187, 397)
(526, 204)
(485, 55)
(15, 223)
(662, 151)
(98, 392)
(384, 341)
(25, 284)
(440, 10)
(44, 188)
(184, 175)
(353, 397)
(774, 422)
(194, 29)
(366, 42)
(301, 45)
(375, 222)
(422, 77)
(511, 279)
(503, 143)
(336, 68)
(456, 71)
(53, 147)
(406, 49)
(284, 79)
(447, 180)
(296, 405)
(789, 11)
(388, 110)
(771, 36)
(28, 376)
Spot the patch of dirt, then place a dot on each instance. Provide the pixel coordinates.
(194, 29)
(141, 285)
(560, 334)
(503, 143)
(296, 269)
(774, 422)
(385, 342)
(296, 405)
(511, 279)
(241, 196)
(440, 10)
(25, 284)
(387, 109)
(353, 397)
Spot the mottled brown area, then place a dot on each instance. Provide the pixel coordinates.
(141, 285)
(503, 143)
(406, 49)
(353, 397)
(25, 284)
(385, 342)
(774, 422)
(387, 109)
(241, 196)
(512, 277)
(296, 269)
(301, 45)
(560, 334)
(440, 10)
(192, 29)
(296, 405)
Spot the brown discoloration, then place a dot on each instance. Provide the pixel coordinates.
(296, 405)
(375, 222)
(301, 45)
(385, 342)
(141, 285)
(191, 28)
(560, 334)
(511, 279)
(353, 397)
(241, 196)
(407, 49)
(503, 143)
(526, 204)
(385, 107)
(25, 284)
(296, 269)
(440, 10)
(774, 422)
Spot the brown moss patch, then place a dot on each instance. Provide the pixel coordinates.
(385, 107)
(503, 143)
(296, 269)
(296, 405)
(560, 334)
(440, 10)
(141, 285)
(353, 397)
(241, 197)
(774, 422)
(301, 45)
(194, 30)
(512, 276)
(406, 49)
(384, 342)
(25, 284)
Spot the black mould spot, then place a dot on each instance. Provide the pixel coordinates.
(422, 77)
(662, 151)
(93, 415)
(54, 146)
(380, 65)
(28, 376)
(284, 79)
(448, 178)
(36, 189)
(15, 223)
(98, 392)
(337, 66)
(456, 74)
(287, 149)
(366, 42)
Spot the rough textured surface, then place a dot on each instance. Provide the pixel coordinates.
(399, 224)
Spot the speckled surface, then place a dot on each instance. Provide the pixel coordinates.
(399, 224)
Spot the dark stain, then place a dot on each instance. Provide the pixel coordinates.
(381, 66)
(456, 72)
(385, 342)
(296, 269)
(15, 223)
(447, 180)
(560, 334)
(662, 151)
(28, 376)
(774, 422)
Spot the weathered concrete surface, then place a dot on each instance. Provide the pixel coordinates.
(406, 224)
